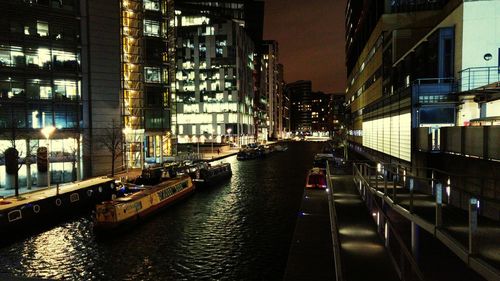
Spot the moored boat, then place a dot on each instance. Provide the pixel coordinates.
(143, 202)
(209, 174)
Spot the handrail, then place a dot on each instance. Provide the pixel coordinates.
(453, 186)
(334, 227)
(399, 240)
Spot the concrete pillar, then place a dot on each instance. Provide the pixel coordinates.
(415, 243)
(41, 179)
(473, 202)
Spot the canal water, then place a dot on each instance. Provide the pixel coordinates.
(238, 230)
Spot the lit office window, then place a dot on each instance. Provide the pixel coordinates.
(152, 74)
(65, 60)
(152, 5)
(42, 28)
(66, 90)
(151, 28)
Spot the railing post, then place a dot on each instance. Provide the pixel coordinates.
(472, 225)
(411, 195)
(432, 182)
(394, 187)
(385, 183)
(439, 205)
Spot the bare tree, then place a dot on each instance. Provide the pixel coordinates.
(112, 140)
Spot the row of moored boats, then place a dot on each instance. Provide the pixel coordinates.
(260, 151)
(156, 188)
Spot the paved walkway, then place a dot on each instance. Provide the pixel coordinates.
(363, 254)
(454, 232)
(311, 252)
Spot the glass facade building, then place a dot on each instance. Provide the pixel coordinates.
(214, 81)
(147, 57)
(40, 85)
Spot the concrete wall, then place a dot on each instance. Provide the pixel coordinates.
(101, 81)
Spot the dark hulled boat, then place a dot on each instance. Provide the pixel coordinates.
(209, 174)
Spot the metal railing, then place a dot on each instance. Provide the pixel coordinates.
(405, 264)
(446, 205)
(476, 77)
(334, 227)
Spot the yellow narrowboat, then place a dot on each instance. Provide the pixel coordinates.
(141, 203)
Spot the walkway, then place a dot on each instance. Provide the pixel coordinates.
(419, 207)
(363, 254)
(311, 255)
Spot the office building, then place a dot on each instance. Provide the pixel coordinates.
(214, 84)
(300, 106)
(40, 86)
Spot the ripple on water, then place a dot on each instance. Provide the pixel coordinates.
(240, 230)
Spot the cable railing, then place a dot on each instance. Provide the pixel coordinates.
(454, 208)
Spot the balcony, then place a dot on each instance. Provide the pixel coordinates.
(479, 79)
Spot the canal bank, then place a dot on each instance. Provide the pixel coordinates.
(238, 230)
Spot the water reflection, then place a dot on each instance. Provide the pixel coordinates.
(240, 230)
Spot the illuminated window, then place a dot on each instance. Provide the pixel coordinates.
(152, 5)
(152, 74)
(42, 28)
(151, 28)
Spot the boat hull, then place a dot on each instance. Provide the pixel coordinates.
(111, 215)
(47, 210)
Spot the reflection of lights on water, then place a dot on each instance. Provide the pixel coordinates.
(386, 231)
(55, 251)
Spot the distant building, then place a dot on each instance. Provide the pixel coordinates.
(319, 112)
(301, 107)
(283, 104)
(270, 87)
(336, 112)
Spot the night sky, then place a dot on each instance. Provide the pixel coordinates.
(311, 40)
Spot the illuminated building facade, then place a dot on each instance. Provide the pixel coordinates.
(214, 81)
(377, 32)
(270, 86)
(147, 55)
(420, 74)
(40, 86)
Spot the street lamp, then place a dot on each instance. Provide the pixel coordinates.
(46, 132)
(229, 130)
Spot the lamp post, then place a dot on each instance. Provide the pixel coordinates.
(47, 131)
